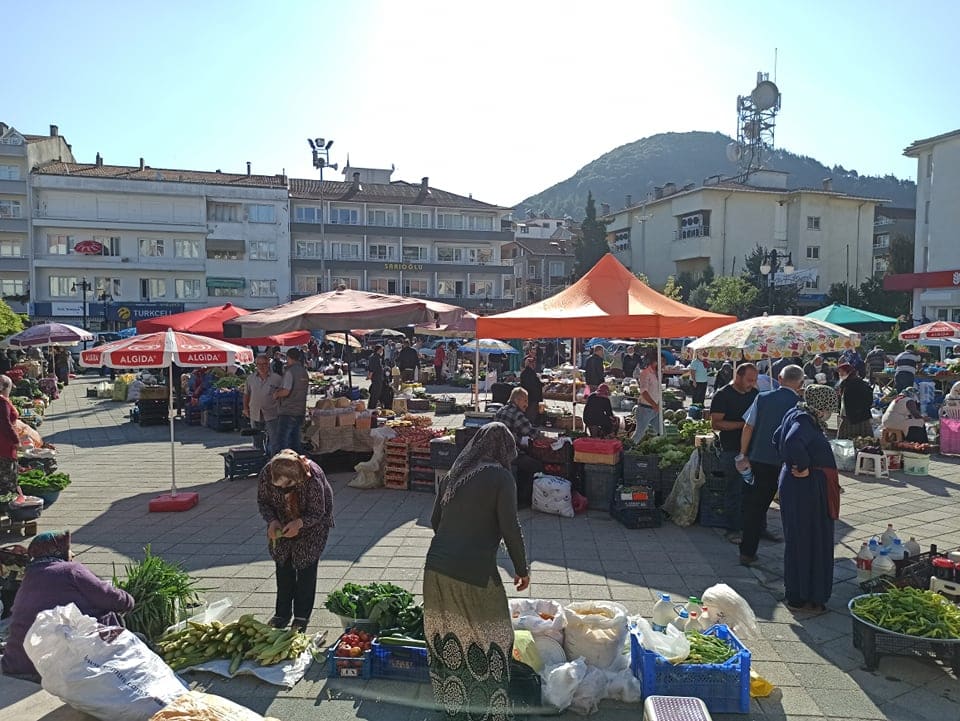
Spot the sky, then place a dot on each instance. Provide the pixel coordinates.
(495, 99)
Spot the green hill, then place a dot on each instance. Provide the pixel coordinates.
(634, 169)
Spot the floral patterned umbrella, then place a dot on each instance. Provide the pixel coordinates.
(774, 336)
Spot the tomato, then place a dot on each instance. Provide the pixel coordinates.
(366, 645)
(352, 639)
(343, 650)
(356, 651)
(363, 636)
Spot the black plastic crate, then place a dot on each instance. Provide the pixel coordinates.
(239, 463)
(915, 573)
(641, 467)
(399, 663)
(635, 518)
(720, 509)
(464, 436)
(634, 496)
(599, 481)
(443, 453)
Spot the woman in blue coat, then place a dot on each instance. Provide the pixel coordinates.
(809, 500)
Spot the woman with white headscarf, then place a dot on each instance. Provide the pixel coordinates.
(466, 616)
(809, 499)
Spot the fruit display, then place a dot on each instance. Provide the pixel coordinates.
(910, 611)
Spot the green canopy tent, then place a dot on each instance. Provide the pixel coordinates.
(853, 318)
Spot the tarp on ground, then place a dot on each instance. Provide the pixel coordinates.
(609, 302)
(855, 318)
(208, 322)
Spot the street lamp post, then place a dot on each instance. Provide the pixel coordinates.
(769, 266)
(105, 298)
(320, 149)
(84, 287)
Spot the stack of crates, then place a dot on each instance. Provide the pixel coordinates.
(421, 469)
(397, 471)
(243, 461)
(636, 503)
(153, 412)
(443, 452)
(556, 462)
(223, 414)
(720, 496)
(194, 415)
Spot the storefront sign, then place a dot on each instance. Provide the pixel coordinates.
(66, 309)
(132, 312)
(909, 281)
(403, 266)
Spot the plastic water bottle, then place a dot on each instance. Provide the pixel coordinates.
(886, 538)
(864, 563)
(912, 547)
(874, 547)
(663, 613)
(883, 565)
(898, 552)
(681, 620)
(743, 466)
(704, 618)
(693, 622)
(693, 605)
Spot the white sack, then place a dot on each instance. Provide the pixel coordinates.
(560, 683)
(552, 494)
(595, 630)
(526, 612)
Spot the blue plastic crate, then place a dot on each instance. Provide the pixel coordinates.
(723, 687)
(348, 667)
(400, 663)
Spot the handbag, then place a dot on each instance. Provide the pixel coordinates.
(525, 687)
(833, 491)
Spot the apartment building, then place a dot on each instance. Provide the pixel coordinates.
(543, 257)
(935, 281)
(114, 244)
(888, 223)
(19, 153)
(369, 232)
(828, 235)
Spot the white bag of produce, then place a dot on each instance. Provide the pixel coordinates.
(560, 683)
(729, 607)
(595, 630)
(552, 494)
(672, 643)
(106, 672)
(623, 686)
(540, 618)
(591, 690)
(198, 706)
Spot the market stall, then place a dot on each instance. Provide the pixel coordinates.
(208, 322)
(853, 318)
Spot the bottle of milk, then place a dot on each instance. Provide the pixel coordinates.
(864, 563)
(663, 613)
(883, 565)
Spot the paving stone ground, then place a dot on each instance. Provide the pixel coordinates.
(118, 466)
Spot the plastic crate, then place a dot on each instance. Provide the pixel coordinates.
(637, 518)
(444, 406)
(634, 496)
(915, 573)
(348, 666)
(720, 509)
(723, 687)
(645, 468)
(400, 663)
(443, 453)
(599, 480)
(242, 462)
(874, 642)
(464, 435)
(542, 450)
(597, 451)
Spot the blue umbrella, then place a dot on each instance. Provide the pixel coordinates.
(488, 346)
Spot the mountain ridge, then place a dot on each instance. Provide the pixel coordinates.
(690, 157)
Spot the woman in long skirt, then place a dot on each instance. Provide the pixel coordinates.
(466, 616)
(809, 500)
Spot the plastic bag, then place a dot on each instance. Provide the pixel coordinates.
(541, 618)
(672, 644)
(370, 473)
(591, 690)
(116, 680)
(684, 500)
(213, 612)
(560, 683)
(623, 686)
(729, 607)
(525, 650)
(580, 503)
(551, 494)
(595, 631)
(197, 706)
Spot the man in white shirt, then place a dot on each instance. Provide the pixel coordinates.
(259, 405)
(698, 374)
(648, 406)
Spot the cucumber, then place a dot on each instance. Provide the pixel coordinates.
(401, 641)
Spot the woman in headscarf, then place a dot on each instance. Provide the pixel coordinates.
(52, 579)
(809, 499)
(598, 416)
(296, 501)
(531, 383)
(466, 617)
(904, 415)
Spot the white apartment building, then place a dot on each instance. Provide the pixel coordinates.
(18, 154)
(120, 243)
(543, 257)
(828, 235)
(935, 281)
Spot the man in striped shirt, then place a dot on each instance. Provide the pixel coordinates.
(906, 365)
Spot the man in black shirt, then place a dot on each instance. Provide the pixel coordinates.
(727, 409)
(593, 370)
(407, 361)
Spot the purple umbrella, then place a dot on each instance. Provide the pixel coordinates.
(48, 334)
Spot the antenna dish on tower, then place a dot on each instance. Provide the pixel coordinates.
(756, 120)
(765, 96)
(734, 151)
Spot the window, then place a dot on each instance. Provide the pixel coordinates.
(813, 222)
(450, 254)
(449, 288)
(10, 209)
(110, 286)
(621, 240)
(12, 286)
(60, 244)
(449, 221)
(344, 216)
(224, 254)
(377, 285)
(186, 248)
(223, 212)
(481, 288)
(62, 286)
(226, 292)
(524, 229)
(309, 249)
(478, 222)
(11, 249)
(926, 211)
(257, 213)
(110, 244)
(414, 287)
(880, 265)
(10, 172)
(941, 313)
(380, 252)
(151, 288)
(263, 288)
(954, 314)
(532, 270)
(307, 214)
(308, 284)
(263, 249)
(556, 269)
(881, 241)
(929, 165)
(151, 247)
(415, 253)
(416, 219)
(813, 252)
(694, 225)
(381, 217)
(186, 288)
(345, 251)
(812, 284)
(508, 287)
(349, 282)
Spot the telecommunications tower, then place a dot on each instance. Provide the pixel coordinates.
(756, 119)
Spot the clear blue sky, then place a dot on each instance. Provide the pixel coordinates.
(498, 99)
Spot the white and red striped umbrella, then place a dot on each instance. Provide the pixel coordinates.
(937, 329)
(159, 350)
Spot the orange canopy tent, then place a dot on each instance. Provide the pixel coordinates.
(608, 302)
(209, 322)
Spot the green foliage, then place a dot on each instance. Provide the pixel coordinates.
(672, 290)
(700, 297)
(10, 322)
(642, 277)
(591, 245)
(838, 294)
(732, 296)
(901, 254)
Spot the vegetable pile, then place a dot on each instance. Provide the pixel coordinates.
(245, 638)
(385, 604)
(910, 611)
(37, 480)
(671, 451)
(159, 589)
(705, 648)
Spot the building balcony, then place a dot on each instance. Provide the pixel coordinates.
(384, 231)
(14, 263)
(13, 225)
(690, 248)
(697, 231)
(311, 261)
(13, 187)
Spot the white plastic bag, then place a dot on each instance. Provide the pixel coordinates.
(526, 615)
(672, 644)
(729, 607)
(560, 683)
(623, 686)
(684, 500)
(115, 680)
(552, 494)
(198, 706)
(595, 630)
(591, 690)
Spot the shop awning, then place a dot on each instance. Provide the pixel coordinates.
(226, 282)
(229, 244)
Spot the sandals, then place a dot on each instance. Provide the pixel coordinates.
(300, 624)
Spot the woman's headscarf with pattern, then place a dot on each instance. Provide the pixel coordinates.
(819, 401)
(492, 446)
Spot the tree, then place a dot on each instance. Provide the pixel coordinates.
(672, 289)
(732, 296)
(591, 245)
(838, 293)
(700, 297)
(10, 322)
(874, 298)
(901, 254)
(779, 299)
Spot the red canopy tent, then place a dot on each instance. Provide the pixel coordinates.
(209, 322)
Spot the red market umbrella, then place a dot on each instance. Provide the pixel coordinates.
(161, 350)
(937, 329)
(88, 247)
(209, 322)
